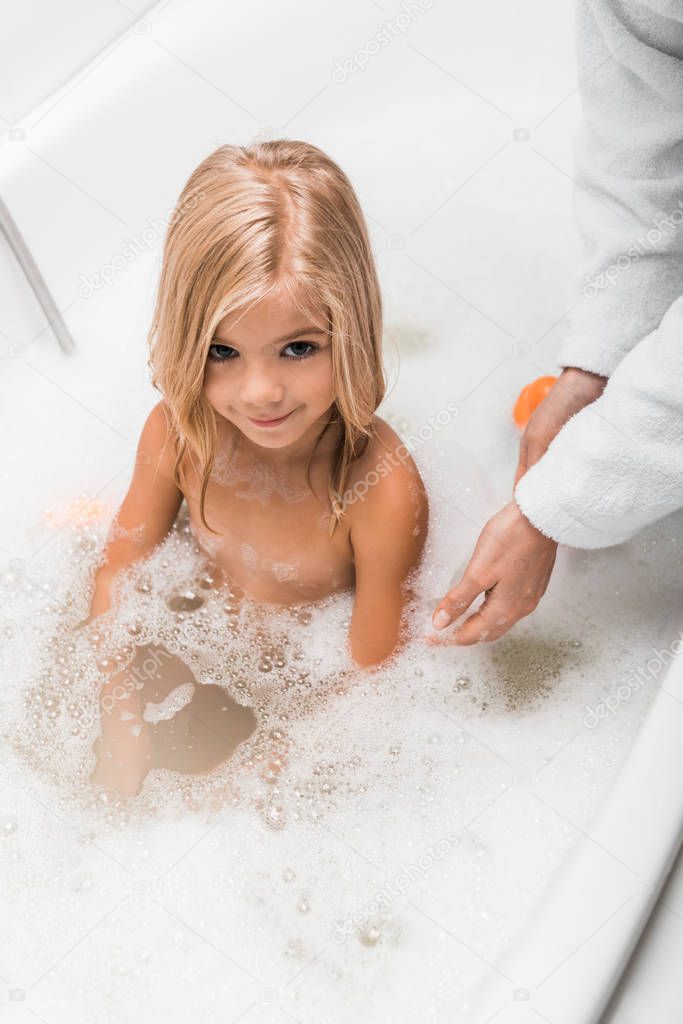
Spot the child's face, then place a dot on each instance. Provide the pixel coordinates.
(268, 363)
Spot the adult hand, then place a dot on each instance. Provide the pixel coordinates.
(511, 565)
(572, 391)
(512, 560)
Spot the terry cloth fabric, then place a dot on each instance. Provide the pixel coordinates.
(618, 464)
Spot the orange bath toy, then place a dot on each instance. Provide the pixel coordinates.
(529, 398)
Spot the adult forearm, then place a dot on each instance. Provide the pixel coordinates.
(618, 464)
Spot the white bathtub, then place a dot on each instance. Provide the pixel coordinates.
(570, 967)
(104, 159)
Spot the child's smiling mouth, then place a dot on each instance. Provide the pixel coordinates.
(271, 423)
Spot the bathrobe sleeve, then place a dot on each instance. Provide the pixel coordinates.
(628, 168)
(618, 464)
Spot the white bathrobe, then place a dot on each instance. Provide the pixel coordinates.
(618, 464)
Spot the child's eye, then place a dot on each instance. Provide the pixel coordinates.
(219, 353)
(223, 353)
(298, 345)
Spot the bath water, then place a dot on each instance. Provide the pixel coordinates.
(313, 839)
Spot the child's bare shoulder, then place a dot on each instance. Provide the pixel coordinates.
(386, 475)
(385, 448)
(158, 444)
(157, 431)
(158, 426)
(387, 512)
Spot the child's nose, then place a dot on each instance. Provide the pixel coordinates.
(261, 384)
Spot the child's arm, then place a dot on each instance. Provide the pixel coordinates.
(388, 533)
(149, 509)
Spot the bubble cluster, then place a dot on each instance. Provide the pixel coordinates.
(345, 831)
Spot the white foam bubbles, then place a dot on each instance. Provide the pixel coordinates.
(354, 836)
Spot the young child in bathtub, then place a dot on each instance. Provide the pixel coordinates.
(266, 346)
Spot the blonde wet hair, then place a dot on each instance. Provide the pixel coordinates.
(251, 219)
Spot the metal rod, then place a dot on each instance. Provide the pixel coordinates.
(35, 279)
